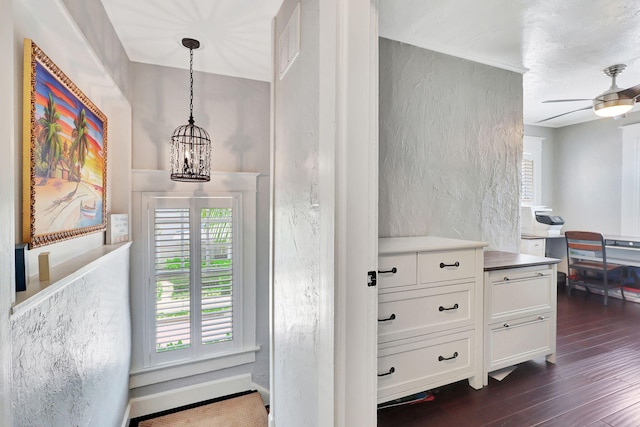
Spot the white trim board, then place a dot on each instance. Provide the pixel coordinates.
(141, 406)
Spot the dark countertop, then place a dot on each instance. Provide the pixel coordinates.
(497, 260)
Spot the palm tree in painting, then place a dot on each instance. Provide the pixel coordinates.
(80, 145)
(49, 137)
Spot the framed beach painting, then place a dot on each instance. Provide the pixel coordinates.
(64, 158)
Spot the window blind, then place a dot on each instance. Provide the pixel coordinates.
(216, 231)
(528, 183)
(194, 301)
(172, 278)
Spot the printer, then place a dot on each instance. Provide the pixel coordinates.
(538, 221)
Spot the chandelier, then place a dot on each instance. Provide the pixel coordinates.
(190, 144)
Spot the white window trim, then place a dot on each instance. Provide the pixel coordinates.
(246, 184)
(192, 353)
(532, 150)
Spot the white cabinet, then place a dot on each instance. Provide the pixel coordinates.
(520, 314)
(429, 314)
(535, 247)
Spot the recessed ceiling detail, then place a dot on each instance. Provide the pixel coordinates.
(235, 35)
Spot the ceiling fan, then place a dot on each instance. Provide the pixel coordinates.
(614, 102)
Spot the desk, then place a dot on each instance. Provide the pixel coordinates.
(624, 250)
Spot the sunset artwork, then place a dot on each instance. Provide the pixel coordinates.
(64, 156)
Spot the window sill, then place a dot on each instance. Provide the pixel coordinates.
(158, 374)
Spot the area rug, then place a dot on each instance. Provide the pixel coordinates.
(244, 410)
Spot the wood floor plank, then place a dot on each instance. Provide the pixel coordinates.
(596, 380)
(627, 417)
(593, 410)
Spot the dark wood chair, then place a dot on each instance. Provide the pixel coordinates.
(588, 266)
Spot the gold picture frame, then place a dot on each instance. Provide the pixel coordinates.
(64, 155)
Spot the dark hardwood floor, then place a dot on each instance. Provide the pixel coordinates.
(595, 381)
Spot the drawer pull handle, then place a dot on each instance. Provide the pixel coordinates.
(506, 325)
(393, 270)
(392, 317)
(391, 371)
(455, 264)
(540, 317)
(441, 358)
(454, 307)
(506, 278)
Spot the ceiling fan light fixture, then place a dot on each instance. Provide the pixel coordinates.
(616, 107)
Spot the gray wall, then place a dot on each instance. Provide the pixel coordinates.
(7, 212)
(100, 388)
(94, 23)
(234, 111)
(450, 147)
(587, 160)
(236, 114)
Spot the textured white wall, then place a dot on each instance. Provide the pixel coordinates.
(450, 147)
(71, 351)
(296, 222)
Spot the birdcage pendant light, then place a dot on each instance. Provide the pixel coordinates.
(190, 144)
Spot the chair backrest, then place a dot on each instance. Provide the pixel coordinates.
(586, 245)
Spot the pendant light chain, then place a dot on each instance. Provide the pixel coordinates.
(191, 121)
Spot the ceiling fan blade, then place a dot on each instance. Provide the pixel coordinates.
(632, 92)
(566, 100)
(564, 114)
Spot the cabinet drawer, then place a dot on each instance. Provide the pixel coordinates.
(404, 273)
(521, 293)
(446, 265)
(522, 339)
(411, 313)
(423, 365)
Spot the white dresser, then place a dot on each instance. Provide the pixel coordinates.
(429, 314)
(520, 309)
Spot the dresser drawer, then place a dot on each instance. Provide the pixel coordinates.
(521, 339)
(396, 270)
(411, 313)
(520, 293)
(446, 265)
(422, 365)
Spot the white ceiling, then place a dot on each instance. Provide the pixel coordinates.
(562, 46)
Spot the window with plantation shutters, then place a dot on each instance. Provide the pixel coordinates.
(194, 289)
(531, 171)
(528, 184)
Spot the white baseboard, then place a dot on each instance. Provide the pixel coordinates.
(141, 406)
(264, 392)
(126, 418)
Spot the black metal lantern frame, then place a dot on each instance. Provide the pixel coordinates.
(190, 144)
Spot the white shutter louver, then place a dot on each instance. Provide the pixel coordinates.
(216, 228)
(172, 278)
(528, 183)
